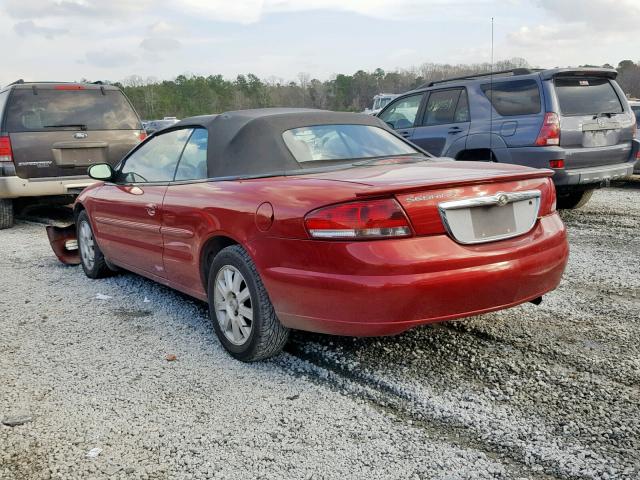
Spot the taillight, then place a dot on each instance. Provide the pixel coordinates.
(548, 200)
(361, 220)
(556, 163)
(6, 154)
(550, 130)
(142, 135)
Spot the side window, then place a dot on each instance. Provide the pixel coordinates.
(402, 113)
(441, 107)
(3, 101)
(462, 110)
(516, 97)
(193, 163)
(156, 160)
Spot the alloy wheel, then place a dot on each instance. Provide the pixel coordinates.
(87, 246)
(233, 305)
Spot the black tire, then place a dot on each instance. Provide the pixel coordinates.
(573, 199)
(99, 268)
(6, 213)
(267, 335)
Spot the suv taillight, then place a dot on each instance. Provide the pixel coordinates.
(550, 130)
(363, 220)
(6, 154)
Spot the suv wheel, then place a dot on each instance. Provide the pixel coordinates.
(6, 213)
(242, 314)
(574, 199)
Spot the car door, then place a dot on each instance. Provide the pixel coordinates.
(444, 121)
(181, 219)
(401, 114)
(127, 214)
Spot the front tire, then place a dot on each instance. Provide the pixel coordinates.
(6, 213)
(573, 199)
(240, 309)
(91, 257)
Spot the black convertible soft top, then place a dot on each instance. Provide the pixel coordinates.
(249, 142)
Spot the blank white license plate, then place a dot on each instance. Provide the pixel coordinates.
(492, 221)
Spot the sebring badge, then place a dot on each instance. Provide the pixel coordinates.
(80, 135)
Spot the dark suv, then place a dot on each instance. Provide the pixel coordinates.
(576, 121)
(51, 132)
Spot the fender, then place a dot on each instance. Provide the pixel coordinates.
(64, 242)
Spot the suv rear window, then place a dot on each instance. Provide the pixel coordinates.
(587, 96)
(343, 142)
(53, 109)
(515, 97)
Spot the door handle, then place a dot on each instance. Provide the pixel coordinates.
(151, 209)
(454, 130)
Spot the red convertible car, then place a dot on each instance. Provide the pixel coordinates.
(329, 222)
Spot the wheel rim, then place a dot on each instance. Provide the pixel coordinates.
(233, 305)
(87, 246)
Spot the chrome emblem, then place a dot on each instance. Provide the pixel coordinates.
(602, 122)
(502, 200)
(80, 135)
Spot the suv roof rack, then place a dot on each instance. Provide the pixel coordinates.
(512, 71)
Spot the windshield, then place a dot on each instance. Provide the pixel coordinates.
(587, 96)
(344, 142)
(76, 109)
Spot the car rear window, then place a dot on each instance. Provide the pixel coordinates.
(636, 110)
(515, 97)
(48, 109)
(343, 142)
(587, 96)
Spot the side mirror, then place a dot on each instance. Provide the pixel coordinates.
(101, 171)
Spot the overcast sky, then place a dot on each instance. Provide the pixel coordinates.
(112, 39)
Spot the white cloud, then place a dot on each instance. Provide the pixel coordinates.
(160, 44)
(28, 27)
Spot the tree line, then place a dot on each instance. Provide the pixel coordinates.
(189, 95)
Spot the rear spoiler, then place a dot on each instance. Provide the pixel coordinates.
(579, 72)
(444, 183)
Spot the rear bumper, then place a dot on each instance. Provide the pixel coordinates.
(386, 287)
(15, 187)
(573, 174)
(592, 175)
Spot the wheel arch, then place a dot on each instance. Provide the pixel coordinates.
(211, 247)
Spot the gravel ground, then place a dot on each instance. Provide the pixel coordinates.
(532, 392)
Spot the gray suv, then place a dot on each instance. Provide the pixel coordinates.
(576, 121)
(51, 132)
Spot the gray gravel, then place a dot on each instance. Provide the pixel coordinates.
(87, 391)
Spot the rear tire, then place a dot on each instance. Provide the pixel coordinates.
(574, 199)
(6, 213)
(240, 309)
(91, 257)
